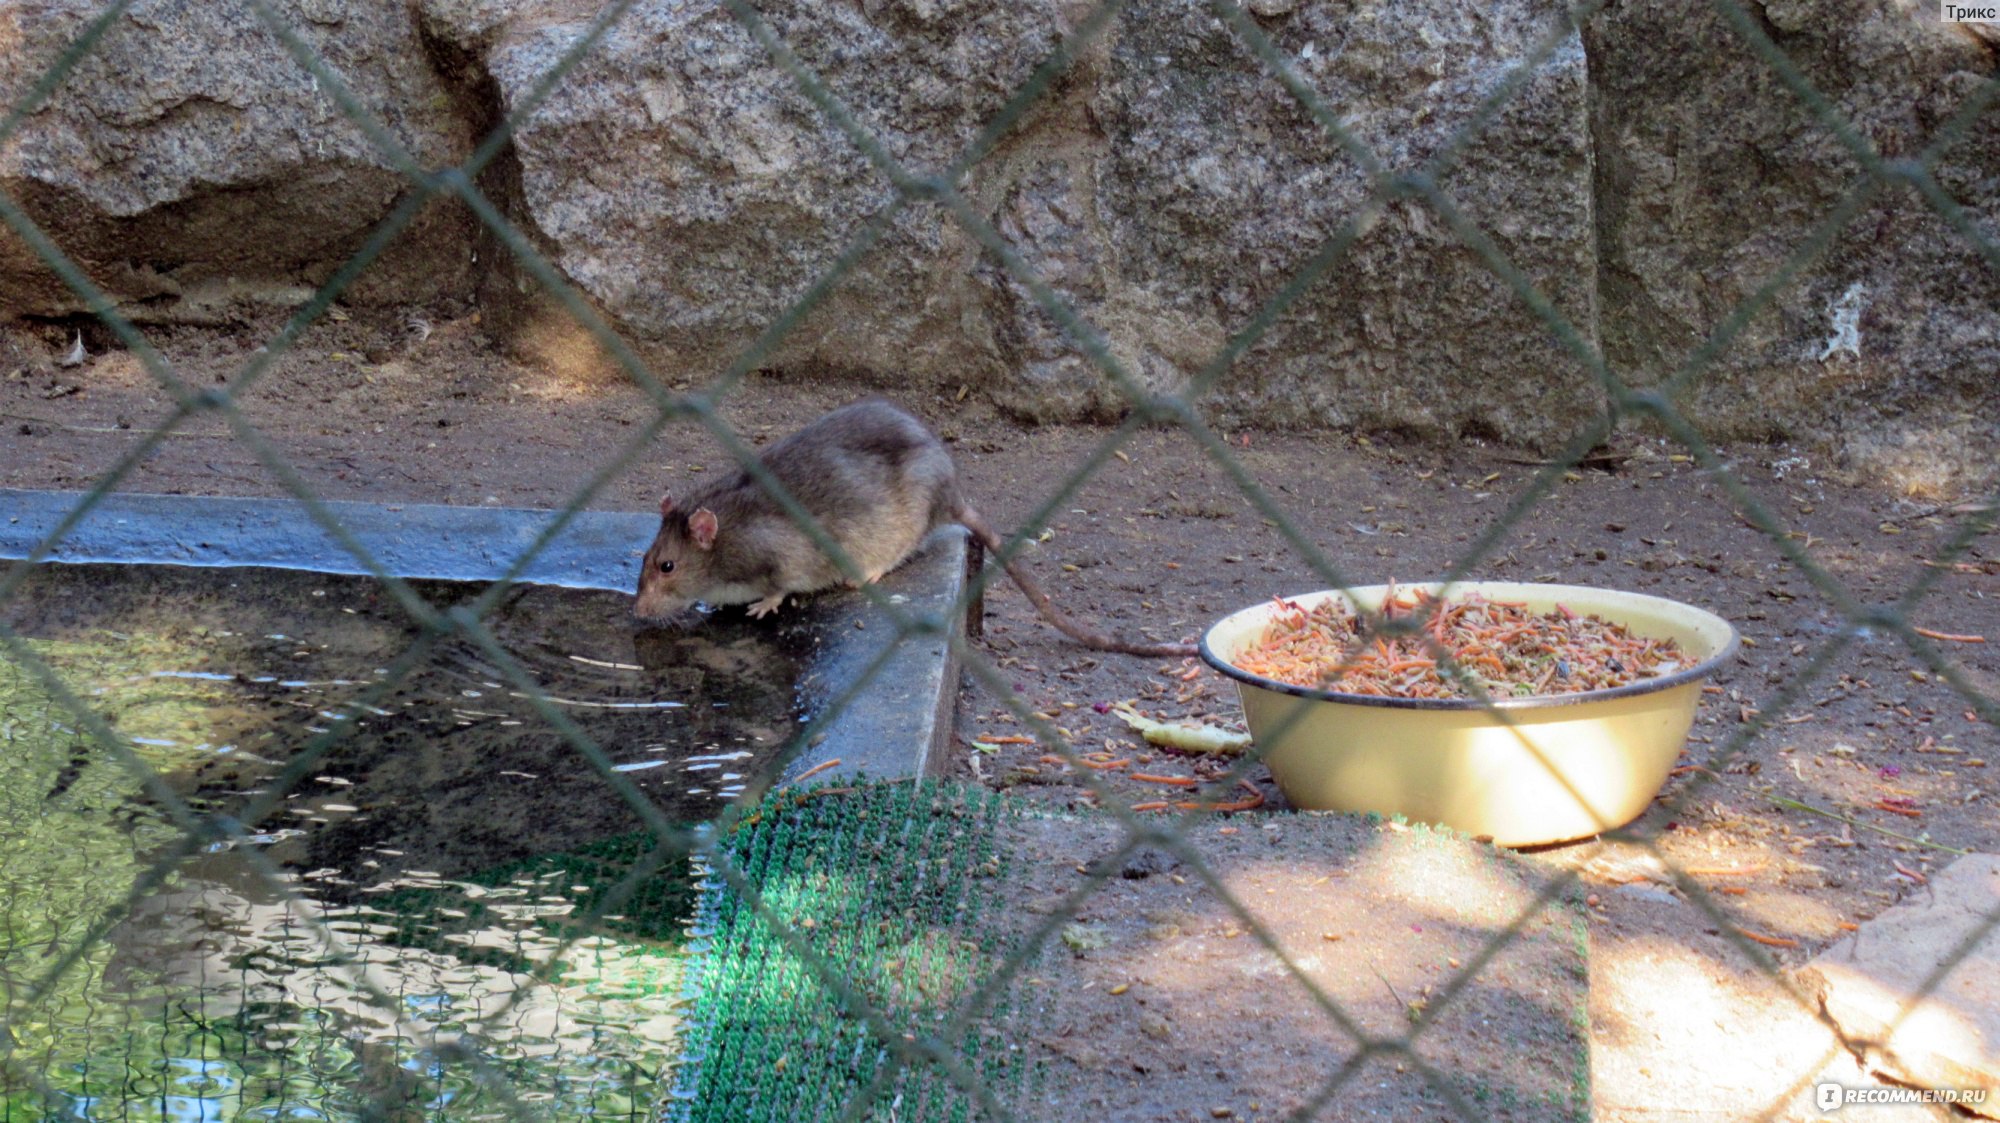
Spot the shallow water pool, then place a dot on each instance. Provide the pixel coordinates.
(433, 906)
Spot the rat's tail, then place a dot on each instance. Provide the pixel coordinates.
(1098, 641)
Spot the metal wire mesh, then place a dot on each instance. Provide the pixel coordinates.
(942, 187)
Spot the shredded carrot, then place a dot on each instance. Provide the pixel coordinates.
(1724, 871)
(1732, 890)
(1151, 805)
(1884, 805)
(1506, 650)
(816, 770)
(1176, 781)
(1009, 739)
(1947, 637)
(1121, 762)
(1255, 801)
(1769, 941)
(1848, 926)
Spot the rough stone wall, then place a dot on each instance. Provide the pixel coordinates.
(1711, 173)
(192, 167)
(1214, 185)
(1650, 175)
(1165, 189)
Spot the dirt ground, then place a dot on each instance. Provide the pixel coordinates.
(1157, 1002)
(1161, 541)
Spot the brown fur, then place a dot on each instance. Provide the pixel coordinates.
(873, 476)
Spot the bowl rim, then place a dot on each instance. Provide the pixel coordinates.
(1681, 677)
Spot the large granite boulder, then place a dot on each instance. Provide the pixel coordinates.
(683, 182)
(1647, 177)
(1711, 171)
(1212, 185)
(190, 165)
(1165, 188)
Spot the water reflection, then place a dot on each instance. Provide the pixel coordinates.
(434, 863)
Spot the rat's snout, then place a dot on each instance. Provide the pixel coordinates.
(656, 598)
(660, 602)
(655, 606)
(680, 616)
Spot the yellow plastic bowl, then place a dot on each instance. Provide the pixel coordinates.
(1544, 768)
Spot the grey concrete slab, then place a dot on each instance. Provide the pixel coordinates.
(1949, 1038)
(597, 550)
(895, 697)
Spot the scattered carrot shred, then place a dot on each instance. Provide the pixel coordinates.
(1009, 739)
(1176, 781)
(1769, 941)
(1947, 637)
(1724, 871)
(1884, 805)
(1151, 805)
(1848, 926)
(1106, 764)
(816, 770)
(1255, 801)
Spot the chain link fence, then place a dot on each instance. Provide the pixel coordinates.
(1427, 185)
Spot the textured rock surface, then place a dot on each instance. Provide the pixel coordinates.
(1711, 171)
(1165, 189)
(1216, 185)
(1648, 177)
(683, 182)
(1868, 984)
(189, 163)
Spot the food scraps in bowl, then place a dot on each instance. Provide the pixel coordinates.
(1507, 650)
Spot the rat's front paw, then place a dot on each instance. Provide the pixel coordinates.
(866, 579)
(768, 605)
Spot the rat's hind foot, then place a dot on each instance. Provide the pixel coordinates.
(768, 605)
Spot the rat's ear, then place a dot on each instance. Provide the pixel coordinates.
(702, 526)
(666, 505)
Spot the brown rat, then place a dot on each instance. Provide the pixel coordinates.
(873, 476)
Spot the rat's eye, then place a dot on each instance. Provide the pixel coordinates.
(667, 565)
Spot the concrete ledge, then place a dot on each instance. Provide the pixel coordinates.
(892, 725)
(906, 706)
